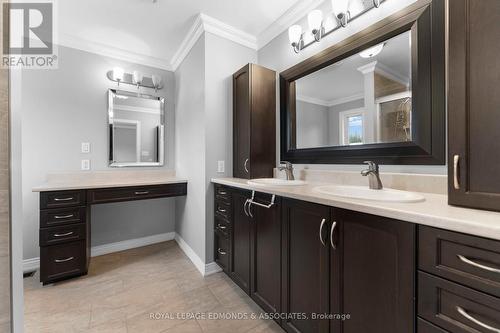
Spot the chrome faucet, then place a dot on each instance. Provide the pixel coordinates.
(373, 175)
(288, 168)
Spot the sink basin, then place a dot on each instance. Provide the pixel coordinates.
(275, 182)
(361, 192)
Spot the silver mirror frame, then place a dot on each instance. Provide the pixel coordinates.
(161, 131)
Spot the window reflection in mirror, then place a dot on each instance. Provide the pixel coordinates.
(136, 129)
(363, 99)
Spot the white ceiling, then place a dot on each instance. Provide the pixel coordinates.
(343, 80)
(157, 29)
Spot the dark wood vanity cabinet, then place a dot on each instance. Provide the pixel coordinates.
(254, 122)
(473, 126)
(340, 262)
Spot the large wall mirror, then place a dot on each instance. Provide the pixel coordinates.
(136, 129)
(379, 95)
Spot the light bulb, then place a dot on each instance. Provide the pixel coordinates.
(340, 9)
(118, 73)
(315, 18)
(372, 51)
(294, 34)
(156, 81)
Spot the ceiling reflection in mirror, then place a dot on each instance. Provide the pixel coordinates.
(363, 99)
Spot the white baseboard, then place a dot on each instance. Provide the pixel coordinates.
(33, 264)
(198, 263)
(100, 250)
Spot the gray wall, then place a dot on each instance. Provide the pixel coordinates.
(278, 55)
(204, 132)
(64, 107)
(190, 147)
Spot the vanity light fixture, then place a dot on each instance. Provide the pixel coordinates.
(372, 51)
(341, 11)
(320, 27)
(135, 78)
(315, 20)
(295, 36)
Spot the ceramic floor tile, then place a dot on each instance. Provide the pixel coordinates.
(148, 290)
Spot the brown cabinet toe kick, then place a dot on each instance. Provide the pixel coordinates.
(65, 225)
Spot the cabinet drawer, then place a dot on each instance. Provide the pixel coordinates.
(222, 226)
(222, 209)
(63, 234)
(58, 199)
(62, 216)
(221, 254)
(469, 260)
(426, 327)
(135, 193)
(222, 193)
(61, 261)
(456, 308)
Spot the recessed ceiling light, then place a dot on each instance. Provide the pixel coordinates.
(372, 51)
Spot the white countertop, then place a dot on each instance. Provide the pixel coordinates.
(104, 179)
(434, 211)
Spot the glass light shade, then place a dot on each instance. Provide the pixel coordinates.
(138, 77)
(156, 80)
(294, 33)
(315, 18)
(118, 73)
(340, 7)
(372, 51)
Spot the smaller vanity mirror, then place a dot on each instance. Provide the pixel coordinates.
(136, 129)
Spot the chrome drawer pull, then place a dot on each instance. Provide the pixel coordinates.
(63, 260)
(321, 232)
(334, 224)
(63, 199)
(221, 252)
(221, 210)
(58, 217)
(222, 192)
(475, 264)
(64, 235)
(477, 322)
(141, 192)
(220, 226)
(246, 166)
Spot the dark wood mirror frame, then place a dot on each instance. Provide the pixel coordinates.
(425, 20)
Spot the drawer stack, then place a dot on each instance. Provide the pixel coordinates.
(64, 235)
(222, 226)
(458, 283)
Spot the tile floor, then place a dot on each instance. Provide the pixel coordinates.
(123, 290)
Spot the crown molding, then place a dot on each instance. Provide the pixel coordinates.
(332, 102)
(112, 52)
(290, 17)
(204, 23)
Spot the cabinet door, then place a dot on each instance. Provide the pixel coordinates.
(305, 266)
(377, 273)
(241, 123)
(266, 253)
(473, 127)
(240, 242)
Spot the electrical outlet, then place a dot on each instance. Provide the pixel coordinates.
(85, 147)
(85, 165)
(220, 167)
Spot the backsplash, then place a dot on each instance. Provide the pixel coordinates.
(436, 184)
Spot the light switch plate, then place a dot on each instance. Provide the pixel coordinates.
(85, 147)
(85, 165)
(220, 167)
